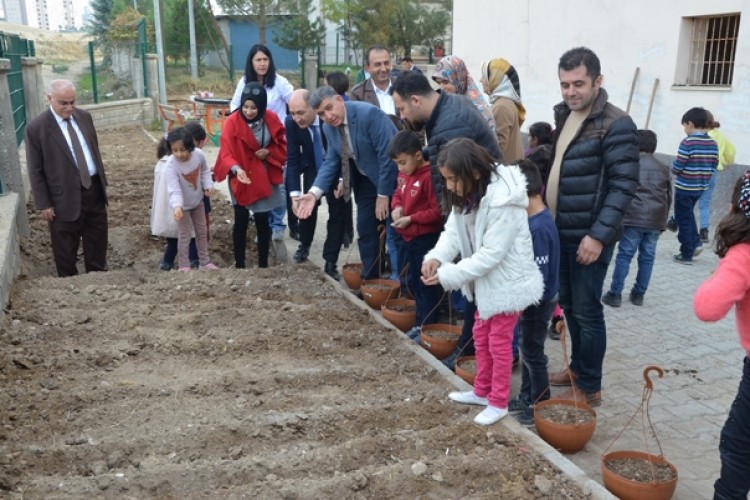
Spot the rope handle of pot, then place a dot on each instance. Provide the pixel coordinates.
(378, 261)
(643, 409)
(450, 309)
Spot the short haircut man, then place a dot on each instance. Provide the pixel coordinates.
(592, 180)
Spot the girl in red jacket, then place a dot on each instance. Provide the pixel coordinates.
(730, 286)
(252, 154)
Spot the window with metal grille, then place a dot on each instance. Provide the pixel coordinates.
(712, 51)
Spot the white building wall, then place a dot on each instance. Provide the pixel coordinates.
(532, 35)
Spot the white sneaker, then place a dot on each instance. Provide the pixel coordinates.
(490, 415)
(467, 398)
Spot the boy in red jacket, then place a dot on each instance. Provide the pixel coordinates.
(416, 216)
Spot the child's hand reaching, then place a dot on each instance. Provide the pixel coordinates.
(429, 272)
(401, 222)
(396, 214)
(178, 213)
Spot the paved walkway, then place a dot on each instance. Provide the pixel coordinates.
(702, 365)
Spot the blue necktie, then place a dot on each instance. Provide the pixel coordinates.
(317, 146)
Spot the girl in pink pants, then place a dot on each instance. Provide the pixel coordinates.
(488, 227)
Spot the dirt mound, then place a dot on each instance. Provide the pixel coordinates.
(232, 383)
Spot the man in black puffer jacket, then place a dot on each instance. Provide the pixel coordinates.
(593, 178)
(443, 116)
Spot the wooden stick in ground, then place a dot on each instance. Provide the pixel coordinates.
(651, 103)
(632, 89)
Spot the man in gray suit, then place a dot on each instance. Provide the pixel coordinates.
(68, 181)
(358, 136)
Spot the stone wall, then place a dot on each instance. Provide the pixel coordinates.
(121, 113)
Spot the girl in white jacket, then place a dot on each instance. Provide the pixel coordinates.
(488, 227)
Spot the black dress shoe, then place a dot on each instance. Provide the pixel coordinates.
(331, 271)
(301, 254)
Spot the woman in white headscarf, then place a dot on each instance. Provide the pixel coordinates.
(500, 81)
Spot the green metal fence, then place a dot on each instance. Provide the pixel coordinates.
(13, 47)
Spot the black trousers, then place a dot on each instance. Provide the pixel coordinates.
(91, 227)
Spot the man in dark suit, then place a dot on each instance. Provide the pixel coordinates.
(305, 152)
(68, 181)
(358, 136)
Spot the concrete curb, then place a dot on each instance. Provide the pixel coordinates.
(571, 470)
(10, 249)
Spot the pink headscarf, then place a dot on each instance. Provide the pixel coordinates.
(453, 69)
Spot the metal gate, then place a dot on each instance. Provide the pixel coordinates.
(13, 47)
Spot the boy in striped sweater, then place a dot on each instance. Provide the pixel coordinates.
(695, 164)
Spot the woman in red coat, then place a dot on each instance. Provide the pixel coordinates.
(252, 155)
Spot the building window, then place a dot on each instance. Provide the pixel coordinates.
(712, 50)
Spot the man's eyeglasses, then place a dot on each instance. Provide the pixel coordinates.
(66, 103)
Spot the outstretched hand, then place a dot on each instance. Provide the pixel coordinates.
(305, 206)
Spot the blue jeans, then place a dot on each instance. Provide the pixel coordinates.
(533, 325)
(687, 233)
(426, 297)
(276, 216)
(640, 239)
(394, 242)
(580, 298)
(734, 445)
(704, 204)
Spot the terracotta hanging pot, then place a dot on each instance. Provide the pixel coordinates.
(402, 313)
(352, 275)
(569, 434)
(638, 475)
(375, 292)
(440, 339)
(466, 368)
(657, 478)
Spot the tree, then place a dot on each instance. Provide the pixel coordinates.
(98, 26)
(177, 29)
(398, 24)
(258, 11)
(297, 32)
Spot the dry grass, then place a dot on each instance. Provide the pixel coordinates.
(52, 46)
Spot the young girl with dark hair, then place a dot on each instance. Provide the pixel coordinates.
(488, 226)
(252, 154)
(188, 181)
(729, 286)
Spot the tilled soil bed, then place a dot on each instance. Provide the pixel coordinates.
(252, 383)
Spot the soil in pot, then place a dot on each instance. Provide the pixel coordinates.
(636, 475)
(440, 339)
(352, 275)
(641, 470)
(376, 292)
(402, 313)
(563, 414)
(466, 368)
(573, 425)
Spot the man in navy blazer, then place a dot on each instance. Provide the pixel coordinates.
(372, 172)
(305, 153)
(61, 142)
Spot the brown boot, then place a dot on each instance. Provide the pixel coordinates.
(562, 378)
(576, 394)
